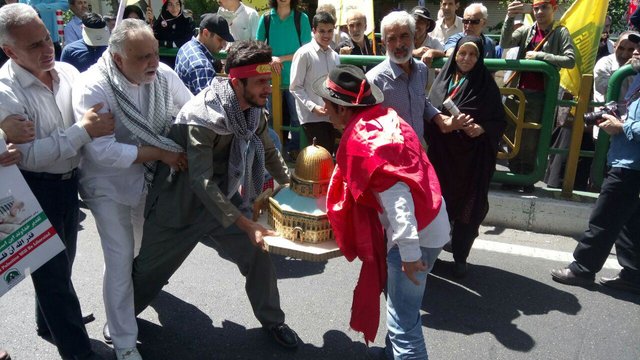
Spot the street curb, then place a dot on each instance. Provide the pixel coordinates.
(540, 212)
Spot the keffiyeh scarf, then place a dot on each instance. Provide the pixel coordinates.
(150, 129)
(217, 108)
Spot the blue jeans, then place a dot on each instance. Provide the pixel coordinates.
(404, 299)
(290, 107)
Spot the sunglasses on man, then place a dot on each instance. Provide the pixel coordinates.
(471, 21)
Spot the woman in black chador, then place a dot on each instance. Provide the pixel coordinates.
(466, 159)
(172, 28)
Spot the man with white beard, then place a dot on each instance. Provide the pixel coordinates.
(403, 79)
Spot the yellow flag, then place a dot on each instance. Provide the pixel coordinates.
(584, 20)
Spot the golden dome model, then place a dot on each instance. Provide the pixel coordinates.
(313, 170)
(299, 212)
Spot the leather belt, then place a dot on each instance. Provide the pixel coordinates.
(48, 176)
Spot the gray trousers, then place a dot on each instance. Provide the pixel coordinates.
(165, 248)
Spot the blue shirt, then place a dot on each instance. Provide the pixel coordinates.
(80, 55)
(403, 93)
(47, 10)
(624, 151)
(194, 65)
(489, 45)
(73, 30)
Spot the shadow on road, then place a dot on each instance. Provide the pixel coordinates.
(289, 268)
(619, 294)
(188, 333)
(488, 300)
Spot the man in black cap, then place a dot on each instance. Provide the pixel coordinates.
(382, 176)
(85, 52)
(423, 42)
(195, 63)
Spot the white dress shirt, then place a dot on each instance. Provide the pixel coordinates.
(58, 138)
(107, 167)
(243, 23)
(442, 32)
(309, 63)
(399, 220)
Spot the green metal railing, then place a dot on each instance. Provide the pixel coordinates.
(602, 144)
(551, 90)
(548, 115)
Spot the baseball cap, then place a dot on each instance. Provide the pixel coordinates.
(94, 30)
(423, 12)
(634, 38)
(216, 24)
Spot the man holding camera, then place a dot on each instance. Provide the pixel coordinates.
(614, 219)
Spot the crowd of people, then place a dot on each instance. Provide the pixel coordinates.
(164, 156)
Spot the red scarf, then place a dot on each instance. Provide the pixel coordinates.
(377, 150)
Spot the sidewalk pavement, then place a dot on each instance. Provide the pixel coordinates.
(543, 211)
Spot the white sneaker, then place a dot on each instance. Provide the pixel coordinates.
(128, 354)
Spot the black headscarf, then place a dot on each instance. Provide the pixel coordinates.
(464, 164)
(478, 95)
(133, 9)
(170, 29)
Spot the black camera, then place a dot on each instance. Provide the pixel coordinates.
(595, 117)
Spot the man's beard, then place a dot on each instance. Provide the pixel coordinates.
(251, 100)
(403, 59)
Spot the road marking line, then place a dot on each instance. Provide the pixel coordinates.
(553, 255)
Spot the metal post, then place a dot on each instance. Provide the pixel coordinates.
(276, 105)
(577, 130)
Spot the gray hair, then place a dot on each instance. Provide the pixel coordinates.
(625, 35)
(356, 14)
(401, 18)
(123, 31)
(478, 6)
(14, 15)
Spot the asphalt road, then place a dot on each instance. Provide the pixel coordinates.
(507, 308)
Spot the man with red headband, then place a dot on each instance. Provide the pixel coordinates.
(545, 40)
(228, 147)
(382, 176)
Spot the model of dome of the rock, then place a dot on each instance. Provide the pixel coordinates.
(299, 212)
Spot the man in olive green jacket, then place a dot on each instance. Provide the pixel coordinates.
(557, 49)
(228, 147)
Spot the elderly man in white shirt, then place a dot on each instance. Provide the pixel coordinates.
(143, 95)
(624, 50)
(310, 62)
(242, 19)
(37, 89)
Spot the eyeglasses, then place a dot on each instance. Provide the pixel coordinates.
(471, 21)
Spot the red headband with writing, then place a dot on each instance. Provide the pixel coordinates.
(340, 90)
(247, 71)
(538, 2)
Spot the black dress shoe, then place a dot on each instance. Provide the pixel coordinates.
(568, 277)
(459, 269)
(619, 283)
(284, 336)
(526, 189)
(106, 334)
(44, 332)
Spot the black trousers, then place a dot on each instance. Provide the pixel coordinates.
(614, 220)
(462, 238)
(57, 305)
(324, 133)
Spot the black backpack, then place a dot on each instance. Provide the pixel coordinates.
(296, 20)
